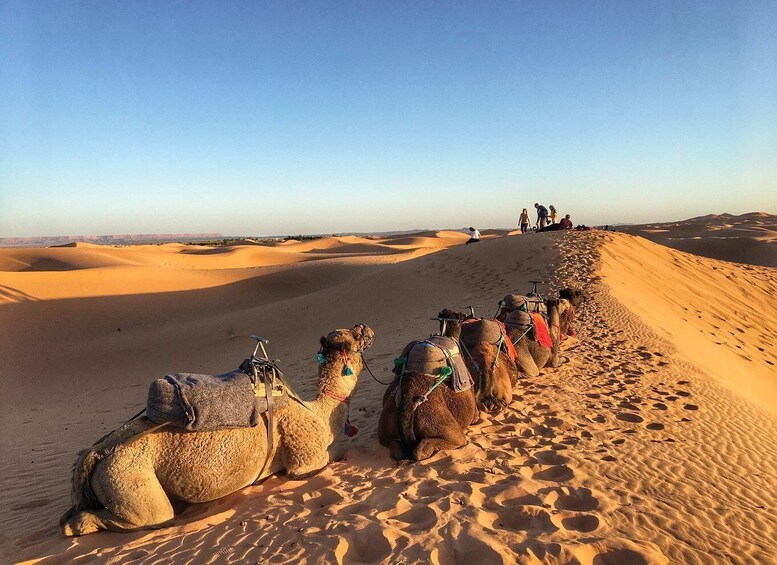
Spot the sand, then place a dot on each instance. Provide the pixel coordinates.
(749, 238)
(654, 442)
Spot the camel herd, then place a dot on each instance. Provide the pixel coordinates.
(421, 417)
(131, 478)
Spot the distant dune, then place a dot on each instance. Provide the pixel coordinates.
(654, 442)
(127, 239)
(749, 238)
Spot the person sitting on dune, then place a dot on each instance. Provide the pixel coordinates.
(566, 223)
(474, 235)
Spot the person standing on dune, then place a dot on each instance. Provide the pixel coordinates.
(553, 214)
(474, 235)
(524, 221)
(542, 215)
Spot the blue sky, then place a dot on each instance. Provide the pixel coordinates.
(263, 118)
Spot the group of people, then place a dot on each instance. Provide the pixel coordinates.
(545, 217)
(546, 221)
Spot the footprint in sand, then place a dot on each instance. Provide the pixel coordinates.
(571, 499)
(367, 545)
(584, 523)
(691, 407)
(655, 426)
(558, 474)
(629, 417)
(525, 519)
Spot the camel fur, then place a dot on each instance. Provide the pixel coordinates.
(531, 356)
(493, 371)
(128, 480)
(418, 431)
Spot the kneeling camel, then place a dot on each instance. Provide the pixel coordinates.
(127, 480)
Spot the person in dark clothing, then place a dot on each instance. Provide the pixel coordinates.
(566, 223)
(542, 215)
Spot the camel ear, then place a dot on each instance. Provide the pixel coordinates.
(358, 332)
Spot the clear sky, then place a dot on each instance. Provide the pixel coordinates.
(256, 118)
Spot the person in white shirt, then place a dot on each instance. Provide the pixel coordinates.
(474, 235)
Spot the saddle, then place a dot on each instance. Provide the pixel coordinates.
(432, 356)
(530, 321)
(475, 330)
(513, 302)
(236, 399)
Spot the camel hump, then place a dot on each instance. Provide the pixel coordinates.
(480, 331)
(433, 355)
(519, 320)
(513, 302)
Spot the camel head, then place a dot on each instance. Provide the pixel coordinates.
(450, 323)
(574, 295)
(352, 341)
(565, 310)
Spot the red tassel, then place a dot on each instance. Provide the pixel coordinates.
(350, 430)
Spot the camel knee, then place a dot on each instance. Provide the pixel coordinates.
(428, 447)
(82, 523)
(308, 466)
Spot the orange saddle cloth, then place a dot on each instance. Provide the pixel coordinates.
(541, 333)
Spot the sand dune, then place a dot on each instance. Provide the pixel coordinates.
(655, 441)
(749, 238)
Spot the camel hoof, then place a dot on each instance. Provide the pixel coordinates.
(492, 404)
(396, 451)
(78, 525)
(66, 516)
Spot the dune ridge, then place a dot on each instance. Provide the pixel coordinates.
(630, 452)
(747, 238)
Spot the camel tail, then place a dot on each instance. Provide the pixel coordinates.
(83, 495)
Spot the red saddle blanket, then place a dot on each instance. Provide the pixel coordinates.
(541, 333)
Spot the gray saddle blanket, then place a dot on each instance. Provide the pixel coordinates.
(480, 331)
(431, 355)
(206, 402)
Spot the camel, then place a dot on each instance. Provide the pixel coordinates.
(128, 479)
(418, 418)
(489, 357)
(531, 356)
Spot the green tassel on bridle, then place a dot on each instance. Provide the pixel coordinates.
(347, 371)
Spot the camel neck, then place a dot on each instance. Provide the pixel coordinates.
(335, 386)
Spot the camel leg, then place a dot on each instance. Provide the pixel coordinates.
(90, 521)
(528, 365)
(397, 450)
(304, 450)
(429, 446)
(311, 465)
(437, 431)
(132, 500)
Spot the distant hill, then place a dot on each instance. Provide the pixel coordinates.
(748, 238)
(127, 239)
